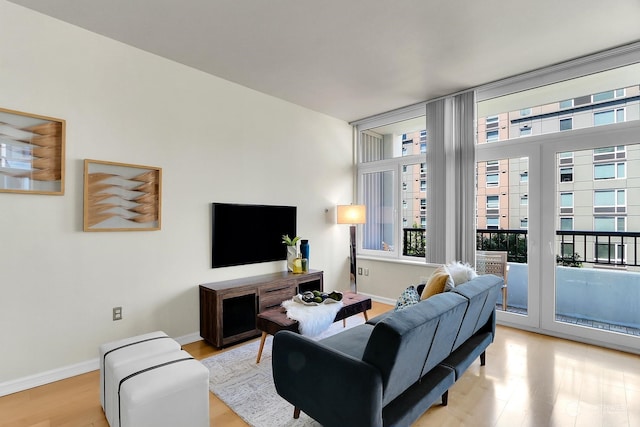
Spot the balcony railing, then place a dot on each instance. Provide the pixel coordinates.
(514, 242)
(413, 242)
(600, 248)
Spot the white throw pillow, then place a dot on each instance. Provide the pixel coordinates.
(461, 272)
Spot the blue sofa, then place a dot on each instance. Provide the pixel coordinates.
(390, 370)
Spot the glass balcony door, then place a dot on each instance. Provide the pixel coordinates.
(508, 221)
(590, 287)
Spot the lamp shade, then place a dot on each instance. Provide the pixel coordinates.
(352, 214)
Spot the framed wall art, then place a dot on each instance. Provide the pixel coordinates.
(121, 197)
(31, 153)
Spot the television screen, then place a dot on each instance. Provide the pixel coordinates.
(249, 234)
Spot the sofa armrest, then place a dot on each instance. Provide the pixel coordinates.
(331, 387)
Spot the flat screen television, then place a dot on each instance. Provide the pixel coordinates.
(249, 234)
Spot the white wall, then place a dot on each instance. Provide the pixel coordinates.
(214, 140)
(385, 280)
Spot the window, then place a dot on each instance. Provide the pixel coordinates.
(493, 222)
(492, 135)
(604, 154)
(602, 96)
(566, 223)
(492, 180)
(610, 253)
(525, 131)
(524, 223)
(609, 223)
(493, 202)
(566, 174)
(525, 111)
(524, 200)
(608, 116)
(566, 124)
(566, 158)
(566, 203)
(609, 201)
(609, 171)
(392, 184)
(566, 104)
(524, 177)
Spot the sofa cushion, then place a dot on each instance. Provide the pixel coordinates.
(437, 283)
(407, 298)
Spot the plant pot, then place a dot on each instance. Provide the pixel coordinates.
(292, 253)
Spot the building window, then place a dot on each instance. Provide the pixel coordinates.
(609, 201)
(609, 171)
(602, 96)
(566, 223)
(608, 116)
(525, 111)
(524, 177)
(609, 153)
(566, 174)
(525, 131)
(566, 124)
(492, 180)
(423, 185)
(524, 223)
(566, 203)
(566, 158)
(492, 136)
(493, 222)
(610, 253)
(493, 202)
(609, 223)
(524, 200)
(566, 104)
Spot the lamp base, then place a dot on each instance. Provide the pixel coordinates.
(352, 257)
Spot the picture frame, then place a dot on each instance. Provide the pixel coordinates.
(121, 196)
(32, 153)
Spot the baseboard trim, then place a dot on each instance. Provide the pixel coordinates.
(383, 300)
(24, 383)
(36, 380)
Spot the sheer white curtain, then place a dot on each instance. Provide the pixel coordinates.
(451, 179)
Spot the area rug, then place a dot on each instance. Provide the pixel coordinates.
(248, 389)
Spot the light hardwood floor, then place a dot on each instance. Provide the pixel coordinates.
(529, 380)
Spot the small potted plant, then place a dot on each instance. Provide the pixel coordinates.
(292, 249)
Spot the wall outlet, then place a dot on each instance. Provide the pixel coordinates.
(359, 271)
(366, 271)
(117, 313)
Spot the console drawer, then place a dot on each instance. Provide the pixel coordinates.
(271, 296)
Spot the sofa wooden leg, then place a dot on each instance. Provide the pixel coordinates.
(483, 358)
(296, 412)
(445, 398)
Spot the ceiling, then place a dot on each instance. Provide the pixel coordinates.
(352, 59)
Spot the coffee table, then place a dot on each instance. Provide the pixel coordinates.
(275, 319)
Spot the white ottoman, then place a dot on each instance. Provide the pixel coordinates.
(163, 390)
(125, 350)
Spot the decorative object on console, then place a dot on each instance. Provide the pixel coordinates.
(121, 196)
(304, 251)
(352, 214)
(292, 250)
(32, 158)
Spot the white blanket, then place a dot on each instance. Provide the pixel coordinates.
(313, 319)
